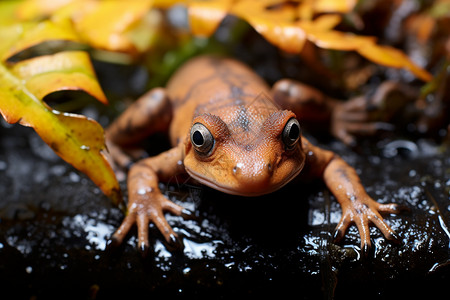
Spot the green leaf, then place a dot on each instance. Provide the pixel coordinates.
(20, 37)
(75, 138)
(43, 74)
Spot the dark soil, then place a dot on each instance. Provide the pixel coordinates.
(55, 225)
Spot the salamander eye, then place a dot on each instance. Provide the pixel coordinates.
(201, 138)
(291, 133)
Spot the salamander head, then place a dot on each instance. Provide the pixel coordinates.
(240, 155)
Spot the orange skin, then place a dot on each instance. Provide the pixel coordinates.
(228, 133)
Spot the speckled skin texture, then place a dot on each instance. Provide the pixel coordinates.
(248, 147)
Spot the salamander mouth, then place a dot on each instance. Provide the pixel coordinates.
(241, 190)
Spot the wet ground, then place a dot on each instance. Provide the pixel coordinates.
(55, 226)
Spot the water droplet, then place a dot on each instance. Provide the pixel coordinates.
(74, 177)
(143, 191)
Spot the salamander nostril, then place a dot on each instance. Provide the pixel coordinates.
(237, 168)
(252, 172)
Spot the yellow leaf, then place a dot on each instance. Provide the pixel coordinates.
(167, 3)
(333, 39)
(269, 10)
(147, 32)
(205, 16)
(102, 24)
(306, 10)
(9, 34)
(77, 139)
(273, 22)
(392, 57)
(7, 12)
(338, 6)
(42, 74)
(22, 36)
(289, 37)
(327, 22)
(36, 9)
(288, 24)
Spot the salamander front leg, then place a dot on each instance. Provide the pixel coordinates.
(146, 203)
(357, 206)
(149, 114)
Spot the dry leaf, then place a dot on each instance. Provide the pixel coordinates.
(288, 24)
(389, 56)
(205, 16)
(103, 24)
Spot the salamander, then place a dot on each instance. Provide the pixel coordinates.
(230, 131)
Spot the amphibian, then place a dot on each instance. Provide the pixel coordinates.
(228, 133)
